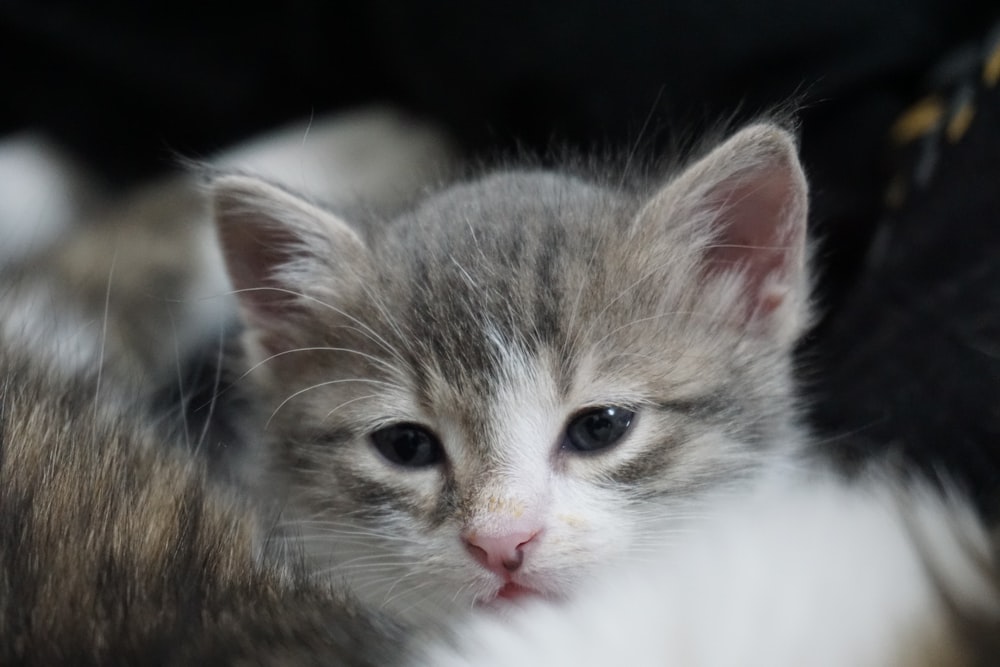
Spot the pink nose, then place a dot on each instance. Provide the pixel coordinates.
(499, 553)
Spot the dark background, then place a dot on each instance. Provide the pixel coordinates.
(907, 357)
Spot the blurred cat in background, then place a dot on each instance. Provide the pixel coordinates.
(135, 278)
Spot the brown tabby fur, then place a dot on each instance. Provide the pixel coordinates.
(115, 551)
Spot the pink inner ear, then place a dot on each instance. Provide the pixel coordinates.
(254, 251)
(760, 231)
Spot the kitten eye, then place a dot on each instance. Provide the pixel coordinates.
(598, 429)
(408, 445)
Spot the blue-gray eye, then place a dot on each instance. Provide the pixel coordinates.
(598, 429)
(408, 445)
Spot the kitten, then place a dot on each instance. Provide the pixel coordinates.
(114, 549)
(809, 571)
(627, 412)
(523, 382)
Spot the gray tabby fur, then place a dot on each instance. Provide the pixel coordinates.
(491, 314)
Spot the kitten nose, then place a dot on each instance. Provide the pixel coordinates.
(499, 553)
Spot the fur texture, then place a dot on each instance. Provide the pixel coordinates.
(136, 279)
(490, 318)
(131, 284)
(114, 550)
(809, 570)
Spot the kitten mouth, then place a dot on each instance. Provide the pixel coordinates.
(512, 591)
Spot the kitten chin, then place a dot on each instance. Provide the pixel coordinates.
(810, 570)
(525, 377)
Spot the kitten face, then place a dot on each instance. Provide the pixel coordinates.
(523, 380)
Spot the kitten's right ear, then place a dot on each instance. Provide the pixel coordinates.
(285, 256)
(745, 205)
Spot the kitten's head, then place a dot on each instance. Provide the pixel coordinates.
(510, 387)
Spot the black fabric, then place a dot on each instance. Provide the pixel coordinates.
(911, 364)
(129, 86)
(124, 82)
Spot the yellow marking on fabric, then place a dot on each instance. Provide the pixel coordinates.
(895, 194)
(918, 120)
(959, 122)
(991, 68)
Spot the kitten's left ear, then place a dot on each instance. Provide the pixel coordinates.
(285, 256)
(746, 204)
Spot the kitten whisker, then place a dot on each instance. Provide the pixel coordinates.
(216, 383)
(427, 605)
(319, 385)
(325, 529)
(321, 348)
(390, 597)
(585, 333)
(744, 246)
(364, 329)
(182, 391)
(346, 403)
(356, 569)
(465, 274)
(383, 311)
(104, 329)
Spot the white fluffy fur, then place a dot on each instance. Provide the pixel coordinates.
(42, 193)
(36, 316)
(378, 155)
(813, 572)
